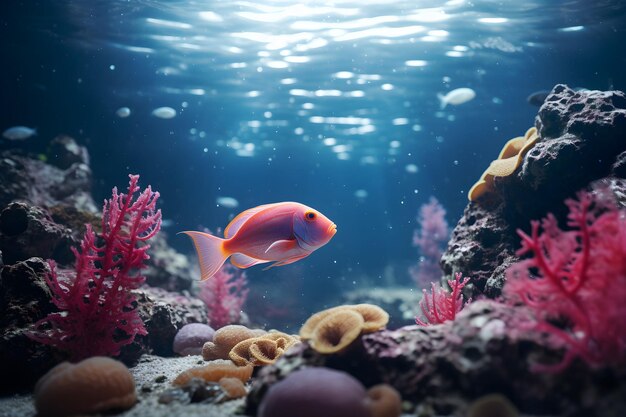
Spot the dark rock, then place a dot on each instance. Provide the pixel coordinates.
(65, 152)
(167, 268)
(582, 139)
(27, 231)
(479, 353)
(163, 313)
(42, 184)
(24, 299)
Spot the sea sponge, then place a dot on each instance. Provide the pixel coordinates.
(509, 159)
(337, 331)
(225, 339)
(384, 401)
(315, 392)
(191, 338)
(262, 350)
(233, 387)
(214, 371)
(94, 385)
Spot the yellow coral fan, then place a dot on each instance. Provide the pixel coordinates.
(510, 158)
(337, 331)
(262, 350)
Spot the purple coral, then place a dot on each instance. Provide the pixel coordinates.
(574, 281)
(98, 314)
(429, 238)
(224, 295)
(442, 305)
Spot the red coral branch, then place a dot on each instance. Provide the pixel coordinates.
(98, 314)
(431, 234)
(442, 305)
(575, 282)
(224, 295)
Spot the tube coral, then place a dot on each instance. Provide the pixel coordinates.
(97, 308)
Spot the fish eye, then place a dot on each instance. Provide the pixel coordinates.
(309, 216)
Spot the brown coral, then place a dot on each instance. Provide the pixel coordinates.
(509, 159)
(94, 385)
(225, 339)
(328, 333)
(262, 350)
(374, 317)
(214, 371)
(337, 331)
(384, 401)
(492, 405)
(233, 387)
(306, 332)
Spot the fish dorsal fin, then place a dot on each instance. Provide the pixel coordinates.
(236, 223)
(282, 245)
(244, 261)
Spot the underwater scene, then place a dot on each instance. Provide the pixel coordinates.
(284, 208)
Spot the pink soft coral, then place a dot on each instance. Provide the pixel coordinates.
(442, 305)
(575, 281)
(429, 237)
(98, 314)
(224, 295)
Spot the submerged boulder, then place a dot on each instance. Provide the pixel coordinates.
(582, 139)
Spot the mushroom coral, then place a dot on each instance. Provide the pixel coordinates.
(214, 371)
(334, 329)
(337, 331)
(261, 350)
(91, 386)
(509, 159)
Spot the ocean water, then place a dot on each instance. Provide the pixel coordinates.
(332, 104)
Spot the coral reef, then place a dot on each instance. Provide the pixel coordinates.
(481, 352)
(44, 210)
(98, 314)
(573, 281)
(575, 129)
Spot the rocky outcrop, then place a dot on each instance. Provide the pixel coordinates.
(582, 139)
(441, 368)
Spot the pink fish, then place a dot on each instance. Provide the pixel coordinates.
(282, 233)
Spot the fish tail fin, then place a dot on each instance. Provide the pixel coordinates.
(211, 253)
(442, 101)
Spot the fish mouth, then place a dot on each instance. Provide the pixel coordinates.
(332, 229)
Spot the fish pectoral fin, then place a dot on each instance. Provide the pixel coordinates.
(286, 261)
(244, 261)
(283, 245)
